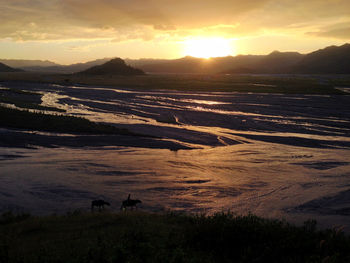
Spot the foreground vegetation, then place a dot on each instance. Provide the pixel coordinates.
(23, 119)
(289, 84)
(146, 237)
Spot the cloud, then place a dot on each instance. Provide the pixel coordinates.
(65, 19)
(159, 13)
(337, 31)
(164, 27)
(122, 20)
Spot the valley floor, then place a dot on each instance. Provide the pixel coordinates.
(275, 155)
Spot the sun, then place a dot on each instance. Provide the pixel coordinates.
(208, 47)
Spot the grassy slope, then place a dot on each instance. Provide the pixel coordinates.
(189, 82)
(145, 237)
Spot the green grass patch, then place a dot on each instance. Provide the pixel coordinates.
(23, 119)
(146, 237)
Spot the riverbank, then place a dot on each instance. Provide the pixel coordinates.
(166, 237)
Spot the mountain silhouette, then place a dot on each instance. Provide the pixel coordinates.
(200, 65)
(278, 62)
(115, 66)
(24, 63)
(65, 69)
(5, 68)
(273, 63)
(330, 60)
(183, 65)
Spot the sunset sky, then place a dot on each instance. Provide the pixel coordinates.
(69, 31)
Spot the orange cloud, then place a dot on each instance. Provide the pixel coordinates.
(121, 20)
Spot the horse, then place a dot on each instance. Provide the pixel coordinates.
(130, 203)
(99, 204)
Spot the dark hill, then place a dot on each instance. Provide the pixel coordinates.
(24, 63)
(273, 63)
(67, 69)
(330, 60)
(182, 65)
(5, 68)
(200, 65)
(115, 66)
(278, 62)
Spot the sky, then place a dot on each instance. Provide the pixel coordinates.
(70, 31)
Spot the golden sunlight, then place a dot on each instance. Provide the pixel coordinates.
(208, 47)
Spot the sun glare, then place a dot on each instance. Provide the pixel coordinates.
(207, 47)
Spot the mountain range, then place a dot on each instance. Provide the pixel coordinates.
(330, 60)
(23, 63)
(5, 68)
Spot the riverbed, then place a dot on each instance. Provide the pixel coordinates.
(274, 155)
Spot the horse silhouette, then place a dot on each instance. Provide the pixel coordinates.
(130, 203)
(99, 203)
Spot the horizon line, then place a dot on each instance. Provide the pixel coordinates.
(185, 56)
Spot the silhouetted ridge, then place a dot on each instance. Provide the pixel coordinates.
(5, 68)
(115, 66)
(24, 63)
(68, 69)
(329, 60)
(278, 62)
(275, 62)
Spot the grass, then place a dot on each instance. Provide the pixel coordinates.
(190, 82)
(23, 119)
(146, 237)
(24, 99)
(28, 105)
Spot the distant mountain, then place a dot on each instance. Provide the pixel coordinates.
(115, 66)
(5, 68)
(278, 62)
(199, 65)
(21, 63)
(275, 62)
(330, 60)
(144, 61)
(69, 68)
(182, 65)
